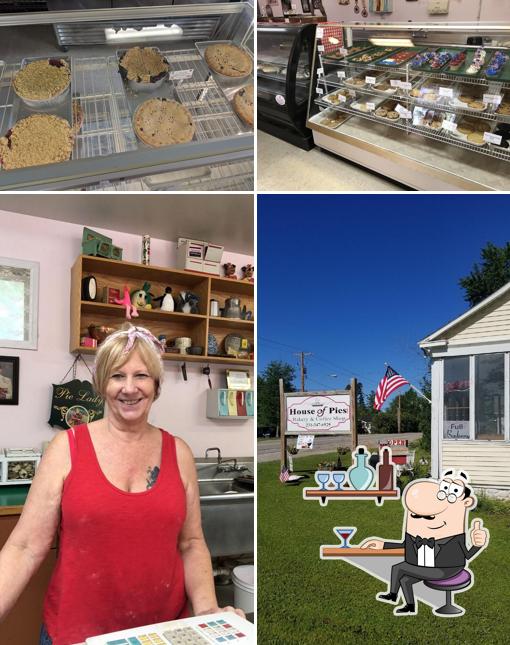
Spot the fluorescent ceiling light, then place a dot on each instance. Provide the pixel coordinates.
(130, 35)
(392, 42)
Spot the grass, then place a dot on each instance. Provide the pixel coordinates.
(302, 599)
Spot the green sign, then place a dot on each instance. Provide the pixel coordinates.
(74, 403)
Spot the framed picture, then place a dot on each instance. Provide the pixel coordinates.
(19, 295)
(9, 380)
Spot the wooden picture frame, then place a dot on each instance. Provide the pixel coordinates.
(9, 380)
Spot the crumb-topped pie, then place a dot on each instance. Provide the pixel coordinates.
(43, 80)
(143, 65)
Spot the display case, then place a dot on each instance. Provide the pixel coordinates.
(106, 153)
(284, 56)
(425, 105)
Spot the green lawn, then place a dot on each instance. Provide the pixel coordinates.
(303, 600)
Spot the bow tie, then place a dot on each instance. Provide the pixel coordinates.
(419, 541)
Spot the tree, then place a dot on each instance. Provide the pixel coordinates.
(268, 392)
(489, 276)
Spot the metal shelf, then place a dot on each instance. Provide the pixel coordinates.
(488, 150)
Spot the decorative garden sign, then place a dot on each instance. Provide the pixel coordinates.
(73, 403)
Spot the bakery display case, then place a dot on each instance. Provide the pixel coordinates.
(425, 105)
(184, 125)
(284, 57)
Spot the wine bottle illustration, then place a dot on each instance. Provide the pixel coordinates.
(385, 471)
(361, 475)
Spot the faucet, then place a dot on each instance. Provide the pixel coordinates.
(219, 454)
(225, 465)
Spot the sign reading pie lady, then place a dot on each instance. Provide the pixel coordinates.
(471, 394)
(318, 413)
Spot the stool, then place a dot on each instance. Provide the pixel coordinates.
(459, 581)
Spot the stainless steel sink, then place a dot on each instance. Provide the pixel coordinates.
(222, 487)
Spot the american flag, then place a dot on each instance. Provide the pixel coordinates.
(389, 383)
(284, 474)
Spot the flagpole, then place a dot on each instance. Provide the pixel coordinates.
(415, 388)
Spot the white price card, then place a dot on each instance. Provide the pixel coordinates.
(320, 71)
(320, 48)
(394, 82)
(320, 32)
(446, 91)
(370, 107)
(449, 125)
(280, 99)
(341, 98)
(404, 113)
(370, 80)
(304, 441)
(343, 51)
(340, 74)
(319, 91)
(181, 74)
(492, 138)
(495, 99)
(405, 86)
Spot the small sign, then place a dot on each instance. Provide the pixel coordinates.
(320, 48)
(238, 380)
(341, 98)
(394, 82)
(340, 74)
(495, 99)
(449, 125)
(456, 430)
(320, 32)
(370, 80)
(492, 138)
(319, 91)
(370, 107)
(280, 99)
(323, 413)
(74, 403)
(405, 86)
(320, 71)
(393, 442)
(343, 51)
(305, 441)
(180, 75)
(404, 113)
(446, 91)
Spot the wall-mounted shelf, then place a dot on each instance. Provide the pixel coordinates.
(116, 274)
(371, 493)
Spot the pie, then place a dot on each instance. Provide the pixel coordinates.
(243, 104)
(43, 80)
(161, 122)
(36, 140)
(477, 105)
(476, 138)
(504, 108)
(143, 65)
(228, 60)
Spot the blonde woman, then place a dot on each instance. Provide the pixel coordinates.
(124, 496)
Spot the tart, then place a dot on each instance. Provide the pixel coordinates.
(42, 80)
(161, 122)
(143, 65)
(228, 60)
(243, 104)
(36, 140)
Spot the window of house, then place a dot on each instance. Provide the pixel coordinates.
(456, 398)
(489, 396)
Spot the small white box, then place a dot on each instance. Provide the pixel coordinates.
(197, 255)
(437, 7)
(18, 466)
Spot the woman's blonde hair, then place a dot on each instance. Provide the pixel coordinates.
(116, 350)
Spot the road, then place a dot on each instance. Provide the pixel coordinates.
(269, 449)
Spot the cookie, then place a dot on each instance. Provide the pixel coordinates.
(143, 65)
(504, 108)
(243, 104)
(42, 80)
(36, 140)
(393, 115)
(161, 122)
(381, 112)
(228, 60)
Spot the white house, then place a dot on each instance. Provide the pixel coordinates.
(471, 394)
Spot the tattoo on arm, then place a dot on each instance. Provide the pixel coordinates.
(152, 475)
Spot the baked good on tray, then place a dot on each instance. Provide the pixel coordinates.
(161, 122)
(228, 60)
(143, 65)
(42, 80)
(36, 140)
(243, 104)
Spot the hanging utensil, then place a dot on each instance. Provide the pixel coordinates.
(364, 11)
(184, 372)
(356, 6)
(207, 371)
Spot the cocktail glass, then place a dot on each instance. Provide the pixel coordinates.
(322, 478)
(338, 477)
(344, 533)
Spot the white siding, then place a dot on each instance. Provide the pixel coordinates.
(490, 323)
(486, 462)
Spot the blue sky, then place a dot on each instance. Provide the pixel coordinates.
(359, 279)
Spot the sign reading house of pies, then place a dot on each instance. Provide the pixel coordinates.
(73, 403)
(318, 413)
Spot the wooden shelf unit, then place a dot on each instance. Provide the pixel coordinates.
(113, 273)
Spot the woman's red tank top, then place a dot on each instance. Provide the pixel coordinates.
(119, 564)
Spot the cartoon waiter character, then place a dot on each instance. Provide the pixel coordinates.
(435, 526)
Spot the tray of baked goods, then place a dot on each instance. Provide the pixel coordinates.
(344, 52)
(371, 56)
(330, 118)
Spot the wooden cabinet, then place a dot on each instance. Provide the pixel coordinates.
(23, 624)
(111, 273)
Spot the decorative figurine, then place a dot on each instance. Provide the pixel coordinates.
(142, 298)
(248, 272)
(230, 271)
(187, 302)
(131, 310)
(166, 301)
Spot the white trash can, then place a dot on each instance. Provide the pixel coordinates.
(242, 577)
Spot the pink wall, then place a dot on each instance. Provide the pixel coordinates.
(181, 407)
(460, 11)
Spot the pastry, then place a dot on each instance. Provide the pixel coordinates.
(355, 81)
(477, 62)
(381, 112)
(464, 98)
(36, 140)
(476, 138)
(477, 105)
(392, 114)
(498, 61)
(228, 60)
(457, 61)
(161, 122)
(243, 104)
(422, 59)
(42, 80)
(464, 128)
(504, 108)
(416, 93)
(143, 65)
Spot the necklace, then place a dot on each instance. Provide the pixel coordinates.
(364, 11)
(356, 6)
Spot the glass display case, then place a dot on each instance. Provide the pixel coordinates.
(108, 152)
(426, 105)
(284, 57)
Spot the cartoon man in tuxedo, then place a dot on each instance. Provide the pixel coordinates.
(435, 536)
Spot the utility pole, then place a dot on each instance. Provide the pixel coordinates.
(303, 368)
(398, 415)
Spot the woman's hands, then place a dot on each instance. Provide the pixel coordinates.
(218, 610)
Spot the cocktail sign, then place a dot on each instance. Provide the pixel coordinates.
(361, 481)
